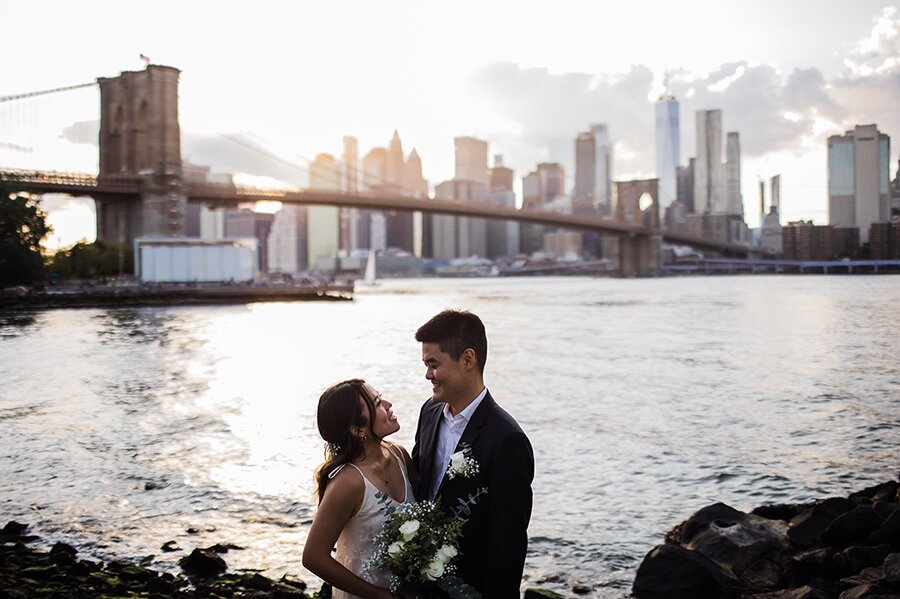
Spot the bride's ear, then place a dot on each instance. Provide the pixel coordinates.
(358, 432)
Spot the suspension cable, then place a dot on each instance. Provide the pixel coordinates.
(46, 92)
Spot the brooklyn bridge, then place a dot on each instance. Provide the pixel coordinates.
(140, 190)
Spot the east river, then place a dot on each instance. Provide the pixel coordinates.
(644, 399)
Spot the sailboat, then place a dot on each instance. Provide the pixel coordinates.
(369, 278)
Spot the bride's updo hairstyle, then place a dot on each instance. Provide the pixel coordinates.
(338, 410)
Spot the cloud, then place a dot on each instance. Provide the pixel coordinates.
(773, 111)
(82, 132)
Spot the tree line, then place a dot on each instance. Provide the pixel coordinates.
(23, 261)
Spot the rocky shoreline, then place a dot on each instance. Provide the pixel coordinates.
(26, 572)
(834, 548)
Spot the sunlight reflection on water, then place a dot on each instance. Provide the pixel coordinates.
(644, 400)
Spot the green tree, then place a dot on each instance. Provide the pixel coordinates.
(23, 226)
(91, 260)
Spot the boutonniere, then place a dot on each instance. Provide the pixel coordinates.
(462, 463)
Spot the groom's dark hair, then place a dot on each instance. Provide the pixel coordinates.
(455, 331)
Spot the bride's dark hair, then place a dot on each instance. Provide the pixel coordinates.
(339, 410)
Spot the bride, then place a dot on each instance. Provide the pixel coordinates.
(363, 479)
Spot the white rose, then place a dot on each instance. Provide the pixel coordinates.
(446, 553)
(408, 529)
(395, 548)
(457, 461)
(434, 570)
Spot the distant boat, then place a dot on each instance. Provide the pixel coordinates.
(369, 278)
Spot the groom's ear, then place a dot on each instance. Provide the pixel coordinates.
(469, 359)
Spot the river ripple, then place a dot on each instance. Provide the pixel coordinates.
(645, 400)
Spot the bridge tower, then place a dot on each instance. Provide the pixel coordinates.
(140, 139)
(637, 203)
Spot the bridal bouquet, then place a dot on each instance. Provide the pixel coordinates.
(417, 546)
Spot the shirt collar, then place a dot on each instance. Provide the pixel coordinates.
(466, 413)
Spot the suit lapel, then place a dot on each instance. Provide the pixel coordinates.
(429, 446)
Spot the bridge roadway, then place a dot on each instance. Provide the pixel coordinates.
(79, 184)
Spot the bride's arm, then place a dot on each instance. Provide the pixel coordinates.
(342, 499)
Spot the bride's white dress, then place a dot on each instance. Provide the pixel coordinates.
(356, 544)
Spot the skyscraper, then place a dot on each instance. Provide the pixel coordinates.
(323, 221)
(708, 163)
(471, 158)
(668, 149)
(585, 195)
(603, 158)
(350, 217)
(733, 201)
(858, 179)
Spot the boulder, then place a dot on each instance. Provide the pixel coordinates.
(872, 589)
(762, 574)
(813, 564)
(881, 492)
(673, 572)
(807, 528)
(888, 533)
(535, 593)
(805, 592)
(203, 563)
(852, 526)
(891, 567)
(858, 557)
(13, 529)
(732, 538)
(780, 511)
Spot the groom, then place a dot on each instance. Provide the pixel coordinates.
(461, 416)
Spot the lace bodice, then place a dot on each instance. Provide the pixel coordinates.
(356, 544)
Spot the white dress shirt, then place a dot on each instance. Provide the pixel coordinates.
(450, 430)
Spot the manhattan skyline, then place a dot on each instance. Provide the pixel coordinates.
(523, 77)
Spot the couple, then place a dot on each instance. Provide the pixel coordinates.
(365, 477)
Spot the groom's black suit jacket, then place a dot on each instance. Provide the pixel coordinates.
(495, 536)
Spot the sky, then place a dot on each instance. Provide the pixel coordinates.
(295, 77)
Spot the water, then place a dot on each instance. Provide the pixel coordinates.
(644, 399)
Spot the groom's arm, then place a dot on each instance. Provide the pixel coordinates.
(509, 496)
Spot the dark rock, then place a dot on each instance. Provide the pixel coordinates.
(856, 558)
(888, 533)
(13, 529)
(170, 546)
(673, 572)
(805, 592)
(192, 530)
(872, 590)
(762, 574)
(257, 582)
(807, 528)
(63, 554)
(884, 508)
(732, 538)
(581, 589)
(137, 573)
(812, 564)
(780, 511)
(541, 594)
(674, 535)
(291, 581)
(867, 576)
(883, 492)
(852, 526)
(224, 548)
(163, 584)
(203, 563)
(63, 548)
(891, 568)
